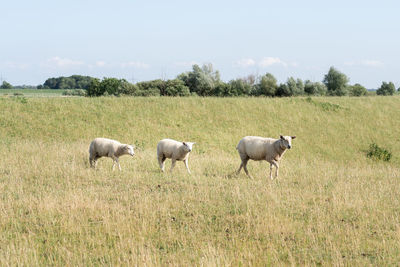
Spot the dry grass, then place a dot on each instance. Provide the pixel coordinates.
(331, 205)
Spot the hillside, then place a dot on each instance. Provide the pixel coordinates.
(330, 205)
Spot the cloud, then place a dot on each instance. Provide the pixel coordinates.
(245, 62)
(366, 63)
(135, 64)
(372, 63)
(64, 62)
(186, 64)
(100, 63)
(16, 65)
(350, 63)
(269, 61)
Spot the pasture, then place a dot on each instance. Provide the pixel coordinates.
(31, 92)
(331, 205)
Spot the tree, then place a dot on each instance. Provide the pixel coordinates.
(201, 81)
(267, 85)
(176, 87)
(292, 87)
(283, 90)
(357, 90)
(6, 85)
(336, 82)
(128, 88)
(314, 88)
(239, 87)
(386, 89)
(94, 88)
(112, 86)
(224, 89)
(72, 82)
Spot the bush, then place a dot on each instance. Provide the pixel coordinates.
(108, 86)
(94, 88)
(176, 88)
(74, 92)
(128, 88)
(6, 85)
(314, 88)
(378, 153)
(357, 90)
(386, 89)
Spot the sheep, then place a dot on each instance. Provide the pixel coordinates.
(174, 150)
(103, 147)
(260, 148)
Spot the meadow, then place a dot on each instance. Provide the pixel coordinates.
(331, 205)
(31, 92)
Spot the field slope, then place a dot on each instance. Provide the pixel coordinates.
(331, 204)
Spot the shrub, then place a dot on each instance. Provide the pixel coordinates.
(94, 88)
(74, 92)
(6, 85)
(128, 88)
(357, 90)
(314, 88)
(386, 89)
(378, 153)
(326, 106)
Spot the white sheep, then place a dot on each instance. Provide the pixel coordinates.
(174, 150)
(103, 147)
(260, 148)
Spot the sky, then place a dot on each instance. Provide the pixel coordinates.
(145, 40)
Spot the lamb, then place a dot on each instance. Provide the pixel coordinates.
(175, 150)
(103, 147)
(260, 148)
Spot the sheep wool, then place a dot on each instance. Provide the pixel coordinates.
(104, 147)
(174, 150)
(261, 148)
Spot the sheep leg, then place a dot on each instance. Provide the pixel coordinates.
(173, 164)
(274, 163)
(92, 161)
(245, 168)
(277, 169)
(244, 159)
(240, 168)
(115, 162)
(119, 166)
(187, 165)
(161, 161)
(270, 171)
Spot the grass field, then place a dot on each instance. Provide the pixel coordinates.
(31, 92)
(331, 204)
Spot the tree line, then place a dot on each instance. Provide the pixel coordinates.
(205, 81)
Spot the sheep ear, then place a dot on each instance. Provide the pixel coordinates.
(184, 143)
(282, 137)
(293, 137)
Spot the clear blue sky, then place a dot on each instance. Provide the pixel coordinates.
(143, 40)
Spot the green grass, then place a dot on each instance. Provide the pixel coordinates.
(331, 205)
(31, 92)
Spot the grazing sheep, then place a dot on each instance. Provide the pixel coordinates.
(171, 149)
(260, 148)
(103, 147)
